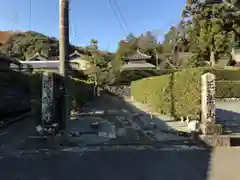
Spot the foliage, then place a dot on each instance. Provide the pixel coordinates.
(228, 89)
(126, 47)
(196, 61)
(209, 28)
(25, 45)
(170, 40)
(80, 90)
(178, 94)
(127, 76)
(225, 74)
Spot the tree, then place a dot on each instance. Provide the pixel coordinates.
(130, 38)
(94, 44)
(125, 47)
(26, 44)
(208, 27)
(146, 43)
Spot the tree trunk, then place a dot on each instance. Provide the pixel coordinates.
(212, 58)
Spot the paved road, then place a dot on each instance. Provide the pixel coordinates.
(117, 111)
(168, 162)
(13, 136)
(228, 114)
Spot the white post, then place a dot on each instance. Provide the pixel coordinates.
(208, 98)
(47, 97)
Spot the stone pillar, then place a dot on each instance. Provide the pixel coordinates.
(47, 98)
(208, 98)
(209, 105)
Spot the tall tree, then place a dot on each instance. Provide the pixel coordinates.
(147, 42)
(130, 38)
(209, 27)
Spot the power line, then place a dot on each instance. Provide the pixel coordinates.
(111, 5)
(124, 20)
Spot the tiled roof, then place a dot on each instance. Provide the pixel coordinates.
(38, 57)
(42, 64)
(47, 64)
(76, 53)
(137, 56)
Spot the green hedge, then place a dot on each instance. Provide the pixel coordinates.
(179, 93)
(80, 91)
(225, 74)
(228, 89)
(127, 76)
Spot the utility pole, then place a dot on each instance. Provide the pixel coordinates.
(64, 59)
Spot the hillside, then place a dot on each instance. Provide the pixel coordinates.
(24, 45)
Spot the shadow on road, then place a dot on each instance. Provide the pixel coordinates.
(229, 119)
(164, 164)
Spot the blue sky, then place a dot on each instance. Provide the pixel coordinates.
(91, 18)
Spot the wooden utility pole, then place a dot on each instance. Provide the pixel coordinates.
(64, 59)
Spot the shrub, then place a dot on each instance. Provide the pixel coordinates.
(179, 93)
(225, 74)
(127, 76)
(227, 89)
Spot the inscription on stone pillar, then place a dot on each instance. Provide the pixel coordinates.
(208, 98)
(47, 97)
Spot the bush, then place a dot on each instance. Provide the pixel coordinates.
(225, 74)
(179, 93)
(154, 91)
(127, 76)
(79, 90)
(228, 89)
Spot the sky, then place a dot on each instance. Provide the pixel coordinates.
(92, 19)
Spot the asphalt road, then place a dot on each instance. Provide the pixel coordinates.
(118, 109)
(168, 164)
(108, 165)
(13, 136)
(116, 163)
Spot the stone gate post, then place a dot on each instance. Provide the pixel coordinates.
(47, 98)
(208, 105)
(208, 98)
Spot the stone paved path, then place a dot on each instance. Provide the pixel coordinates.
(158, 118)
(227, 113)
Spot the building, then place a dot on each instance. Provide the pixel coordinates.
(137, 60)
(40, 61)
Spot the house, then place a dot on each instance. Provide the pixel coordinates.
(40, 61)
(137, 60)
(77, 55)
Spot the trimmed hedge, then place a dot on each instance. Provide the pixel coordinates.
(225, 74)
(80, 90)
(129, 75)
(179, 93)
(227, 89)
